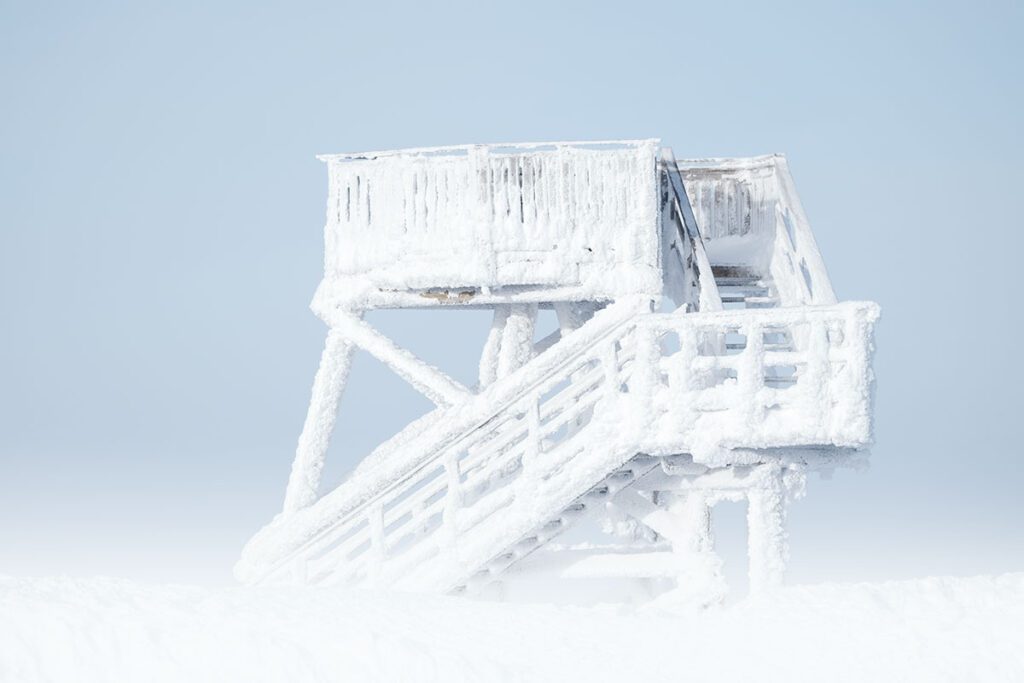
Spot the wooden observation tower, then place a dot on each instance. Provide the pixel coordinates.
(701, 356)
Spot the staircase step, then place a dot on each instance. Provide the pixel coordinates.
(739, 282)
(734, 272)
(747, 290)
(739, 346)
(761, 302)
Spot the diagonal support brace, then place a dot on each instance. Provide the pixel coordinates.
(431, 382)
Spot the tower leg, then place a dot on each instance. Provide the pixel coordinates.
(701, 582)
(517, 338)
(766, 532)
(509, 344)
(572, 315)
(331, 376)
(492, 347)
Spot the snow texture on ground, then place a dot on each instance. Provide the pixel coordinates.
(937, 629)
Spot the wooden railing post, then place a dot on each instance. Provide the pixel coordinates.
(751, 372)
(378, 549)
(646, 367)
(610, 369)
(452, 499)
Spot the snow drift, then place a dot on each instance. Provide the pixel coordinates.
(938, 629)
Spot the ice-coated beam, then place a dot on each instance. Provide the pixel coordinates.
(766, 531)
(304, 481)
(492, 347)
(431, 382)
(516, 338)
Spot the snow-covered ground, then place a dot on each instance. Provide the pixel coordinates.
(937, 629)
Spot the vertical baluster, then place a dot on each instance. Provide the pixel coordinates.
(533, 446)
(610, 367)
(452, 498)
(646, 367)
(378, 550)
(751, 373)
(816, 376)
(419, 521)
(857, 350)
(681, 381)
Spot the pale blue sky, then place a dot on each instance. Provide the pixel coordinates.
(160, 239)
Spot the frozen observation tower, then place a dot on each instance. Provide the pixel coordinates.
(701, 357)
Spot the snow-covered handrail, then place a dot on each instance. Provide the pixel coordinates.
(695, 261)
(793, 234)
(492, 148)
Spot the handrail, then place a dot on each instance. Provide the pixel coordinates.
(460, 149)
(708, 296)
(791, 215)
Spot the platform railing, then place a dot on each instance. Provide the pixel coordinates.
(796, 250)
(513, 214)
(768, 378)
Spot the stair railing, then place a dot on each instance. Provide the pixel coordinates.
(795, 241)
(487, 425)
(708, 298)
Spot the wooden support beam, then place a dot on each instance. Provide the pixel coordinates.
(517, 338)
(492, 347)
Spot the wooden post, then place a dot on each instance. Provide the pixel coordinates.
(517, 338)
(766, 533)
(700, 582)
(492, 347)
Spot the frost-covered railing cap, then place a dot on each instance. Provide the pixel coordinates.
(732, 163)
(491, 148)
(481, 224)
